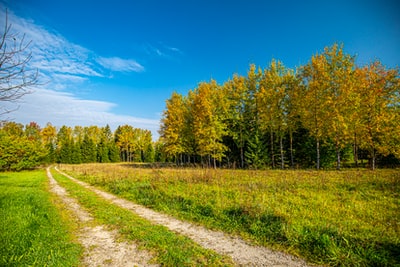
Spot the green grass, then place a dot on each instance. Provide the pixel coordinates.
(32, 229)
(170, 249)
(338, 218)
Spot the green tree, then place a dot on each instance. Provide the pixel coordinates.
(94, 133)
(75, 152)
(20, 153)
(107, 151)
(312, 99)
(88, 149)
(17, 150)
(235, 92)
(113, 153)
(293, 121)
(107, 138)
(102, 154)
(13, 129)
(255, 153)
(273, 106)
(65, 145)
(250, 112)
(49, 139)
(32, 131)
(145, 145)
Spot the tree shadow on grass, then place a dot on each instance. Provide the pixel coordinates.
(327, 245)
(265, 227)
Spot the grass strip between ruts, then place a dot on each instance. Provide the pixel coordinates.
(170, 249)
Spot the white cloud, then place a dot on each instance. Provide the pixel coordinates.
(66, 66)
(174, 49)
(162, 51)
(119, 64)
(52, 53)
(61, 108)
(68, 77)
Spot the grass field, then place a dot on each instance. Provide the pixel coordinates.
(168, 248)
(33, 230)
(339, 218)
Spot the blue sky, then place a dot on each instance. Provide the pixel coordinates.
(116, 62)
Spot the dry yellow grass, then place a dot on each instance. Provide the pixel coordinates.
(347, 217)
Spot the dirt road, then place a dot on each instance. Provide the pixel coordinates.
(241, 252)
(101, 247)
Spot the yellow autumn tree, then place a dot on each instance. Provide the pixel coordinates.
(326, 100)
(172, 125)
(235, 93)
(379, 92)
(272, 104)
(209, 109)
(312, 96)
(339, 69)
(124, 139)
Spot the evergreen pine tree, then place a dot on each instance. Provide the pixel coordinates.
(113, 153)
(256, 152)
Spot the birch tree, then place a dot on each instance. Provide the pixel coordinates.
(339, 69)
(173, 125)
(312, 94)
(272, 104)
(208, 124)
(379, 92)
(236, 93)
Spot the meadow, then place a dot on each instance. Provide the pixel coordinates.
(338, 218)
(34, 227)
(167, 248)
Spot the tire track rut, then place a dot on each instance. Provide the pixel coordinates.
(101, 247)
(240, 251)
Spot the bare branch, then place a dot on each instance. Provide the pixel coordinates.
(15, 76)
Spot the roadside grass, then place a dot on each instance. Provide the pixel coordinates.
(169, 249)
(338, 218)
(33, 231)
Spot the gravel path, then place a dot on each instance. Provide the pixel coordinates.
(101, 247)
(241, 252)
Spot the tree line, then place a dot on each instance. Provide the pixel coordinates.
(325, 113)
(321, 114)
(25, 147)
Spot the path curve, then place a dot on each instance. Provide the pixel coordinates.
(241, 252)
(101, 247)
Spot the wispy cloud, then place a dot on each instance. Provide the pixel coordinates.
(162, 50)
(174, 49)
(119, 64)
(62, 108)
(69, 77)
(52, 53)
(65, 67)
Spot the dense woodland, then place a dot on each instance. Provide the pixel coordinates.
(24, 147)
(325, 114)
(322, 114)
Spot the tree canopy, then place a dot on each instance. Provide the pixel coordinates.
(25, 147)
(323, 113)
